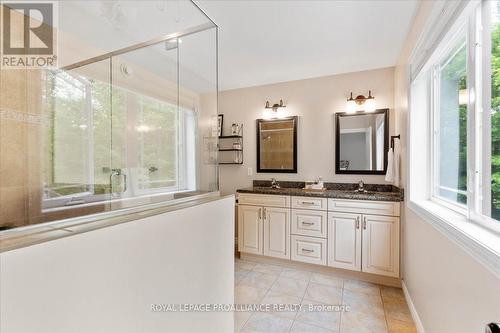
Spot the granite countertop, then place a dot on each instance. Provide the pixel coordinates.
(374, 192)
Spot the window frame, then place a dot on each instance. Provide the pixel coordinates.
(434, 117)
(468, 21)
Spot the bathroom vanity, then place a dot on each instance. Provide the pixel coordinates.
(339, 227)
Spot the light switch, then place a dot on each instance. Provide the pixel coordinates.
(250, 171)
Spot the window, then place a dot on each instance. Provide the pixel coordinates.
(491, 179)
(68, 149)
(450, 125)
(456, 143)
(139, 146)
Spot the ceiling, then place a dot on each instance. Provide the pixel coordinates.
(264, 42)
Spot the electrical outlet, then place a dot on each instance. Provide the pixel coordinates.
(250, 171)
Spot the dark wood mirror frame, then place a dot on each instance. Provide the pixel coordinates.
(294, 170)
(337, 143)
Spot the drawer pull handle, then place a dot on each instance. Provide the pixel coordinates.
(307, 223)
(307, 251)
(307, 203)
(357, 222)
(364, 222)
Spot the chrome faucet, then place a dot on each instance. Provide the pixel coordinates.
(274, 183)
(361, 186)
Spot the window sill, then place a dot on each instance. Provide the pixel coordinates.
(481, 243)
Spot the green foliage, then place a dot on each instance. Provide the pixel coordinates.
(495, 122)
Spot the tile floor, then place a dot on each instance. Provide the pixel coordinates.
(373, 308)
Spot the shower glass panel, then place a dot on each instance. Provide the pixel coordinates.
(127, 120)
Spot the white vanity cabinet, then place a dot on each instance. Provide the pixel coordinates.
(358, 235)
(264, 225)
(364, 241)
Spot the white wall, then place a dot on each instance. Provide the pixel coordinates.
(315, 101)
(106, 280)
(451, 291)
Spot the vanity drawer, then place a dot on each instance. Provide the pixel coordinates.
(309, 223)
(309, 203)
(264, 200)
(309, 249)
(364, 207)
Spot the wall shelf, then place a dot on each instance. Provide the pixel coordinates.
(229, 154)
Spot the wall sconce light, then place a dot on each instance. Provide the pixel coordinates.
(360, 100)
(275, 107)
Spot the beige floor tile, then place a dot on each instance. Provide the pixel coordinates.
(397, 326)
(258, 280)
(392, 292)
(396, 308)
(327, 280)
(240, 318)
(239, 275)
(361, 302)
(243, 265)
(278, 298)
(373, 308)
(290, 286)
(361, 286)
(248, 295)
(299, 327)
(296, 274)
(268, 269)
(360, 322)
(326, 319)
(324, 294)
(267, 323)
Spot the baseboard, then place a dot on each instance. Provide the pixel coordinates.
(413, 310)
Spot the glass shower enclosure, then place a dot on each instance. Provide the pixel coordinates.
(128, 119)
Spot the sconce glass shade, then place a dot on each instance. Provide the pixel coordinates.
(351, 106)
(370, 105)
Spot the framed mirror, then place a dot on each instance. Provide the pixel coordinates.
(277, 145)
(361, 142)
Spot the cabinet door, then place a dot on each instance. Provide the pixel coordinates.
(381, 245)
(250, 229)
(277, 232)
(344, 241)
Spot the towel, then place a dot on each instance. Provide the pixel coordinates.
(396, 164)
(393, 157)
(389, 175)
